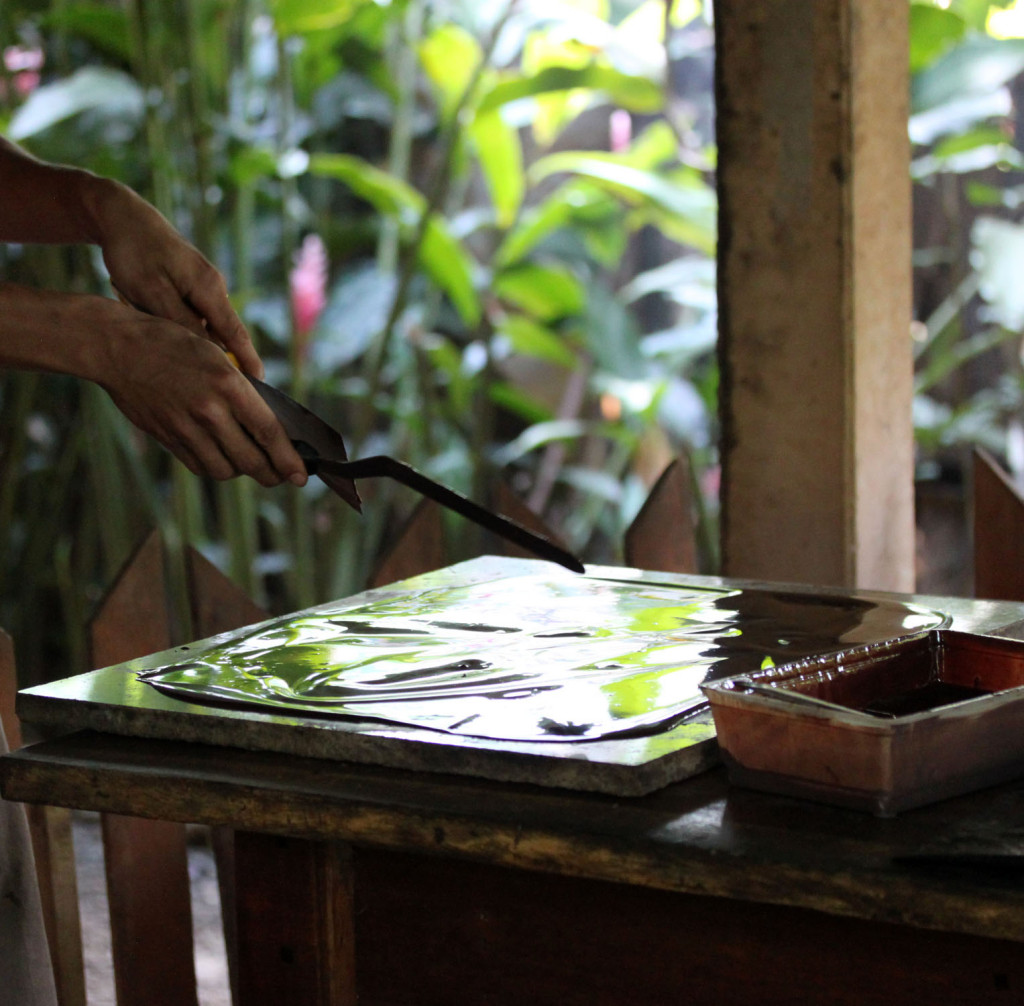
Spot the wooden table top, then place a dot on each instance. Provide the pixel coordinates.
(956, 866)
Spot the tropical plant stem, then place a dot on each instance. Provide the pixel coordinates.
(237, 506)
(705, 522)
(580, 527)
(106, 479)
(19, 396)
(198, 125)
(448, 144)
(303, 578)
(405, 38)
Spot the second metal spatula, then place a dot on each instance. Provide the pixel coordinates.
(322, 448)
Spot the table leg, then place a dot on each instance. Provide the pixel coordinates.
(150, 911)
(295, 922)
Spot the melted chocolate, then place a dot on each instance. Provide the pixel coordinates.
(529, 658)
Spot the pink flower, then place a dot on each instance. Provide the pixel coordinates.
(620, 130)
(24, 64)
(308, 283)
(711, 482)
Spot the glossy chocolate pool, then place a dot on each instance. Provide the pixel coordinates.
(529, 658)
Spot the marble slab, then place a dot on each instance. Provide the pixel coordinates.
(646, 754)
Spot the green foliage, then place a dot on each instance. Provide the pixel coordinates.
(933, 31)
(92, 89)
(968, 165)
(976, 66)
(104, 27)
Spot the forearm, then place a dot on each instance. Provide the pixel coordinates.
(66, 333)
(50, 203)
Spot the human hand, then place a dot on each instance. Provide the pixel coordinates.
(183, 390)
(153, 268)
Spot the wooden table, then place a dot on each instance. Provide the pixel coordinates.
(404, 888)
(398, 887)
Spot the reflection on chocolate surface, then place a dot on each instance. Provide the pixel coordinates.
(529, 658)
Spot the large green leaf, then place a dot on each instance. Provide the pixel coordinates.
(655, 145)
(933, 31)
(688, 231)
(941, 366)
(529, 338)
(501, 159)
(637, 45)
(387, 193)
(356, 311)
(594, 482)
(594, 216)
(972, 139)
(88, 89)
(635, 184)
(450, 57)
(450, 266)
(978, 65)
(535, 225)
(970, 159)
(519, 401)
(997, 252)
(976, 12)
(104, 26)
(685, 11)
(441, 255)
(547, 292)
(638, 94)
(959, 116)
(554, 431)
(298, 17)
(689, 201)
(609, 331)
(250, 164)
(690, 281)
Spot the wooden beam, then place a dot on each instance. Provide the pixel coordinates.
(814, 291)
(54, 854)
(661, 536)
(146, 861)
(418, 547)
(998, 531)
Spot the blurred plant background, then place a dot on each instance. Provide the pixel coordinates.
(475, 234)
(967, 131)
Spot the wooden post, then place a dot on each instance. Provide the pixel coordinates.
(661, 535)
(219, 605)
(296, 922)
(146, 861)
(506, 502)
(998, 532)
(418, 547)
(814, 291)
(54, 853)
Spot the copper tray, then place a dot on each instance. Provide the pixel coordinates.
(882, 727)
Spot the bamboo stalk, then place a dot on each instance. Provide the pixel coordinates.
(15, 422)
(435, 200)
(107, 483)
(53, 501)
(302, 579)
(238, 520)
(75, 615)
(583, 519)
(706, 524)
(403, 41)
(198, 125)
